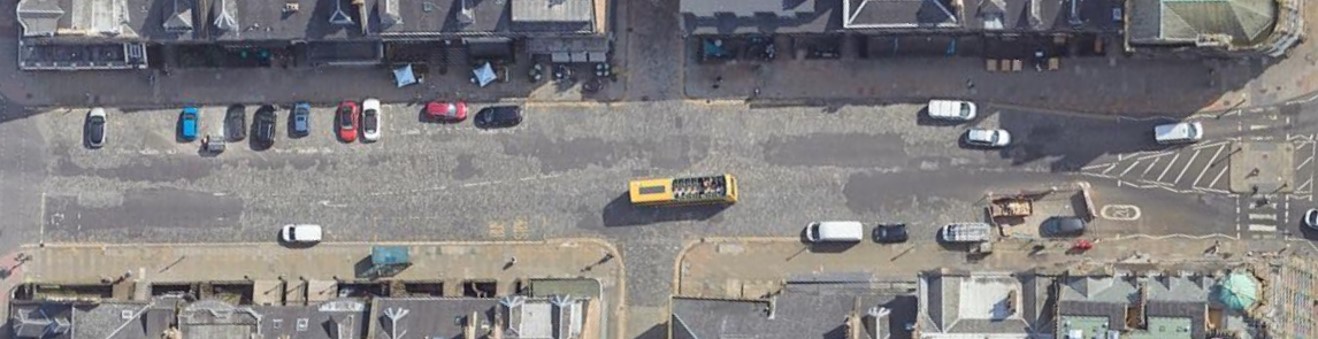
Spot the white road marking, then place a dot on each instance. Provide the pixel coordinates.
(1306, 184)
(1094, 167)
(1132, 165)
(1305, 162)
(1257, 127)
(1120, 212)
(1109, 169)
(1186, 167)
(1206, 167)
(1215, 144)
(1262, 216)
(1147, 169)
(1262, 228)
(1169, 166)
(1219, 176)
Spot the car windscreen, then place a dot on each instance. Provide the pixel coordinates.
(345, 117)
(370, 120)
(97, 127)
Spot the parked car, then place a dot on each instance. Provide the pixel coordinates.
(1311, 218)
(1178, 133)
(95, 127)
(347, 115)
(263, 125)
(988, 137)
(235, 123)
(952, 110)
(499, 116)
(370, 120)
(213, 143)
(1062, 227)
(834, 231)
(301, 119)
(890, 233)
(301, 233)
(965, 232)
(446, 111)
(187, 124)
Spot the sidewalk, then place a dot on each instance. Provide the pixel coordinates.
(723, 267)
(450, 262)
(1107, 85)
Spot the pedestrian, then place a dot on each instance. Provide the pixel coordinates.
(970, 84)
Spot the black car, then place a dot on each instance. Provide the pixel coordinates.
(890, 233)
(499, 116)
(235, 123)
(263, 125)
(1062, 227)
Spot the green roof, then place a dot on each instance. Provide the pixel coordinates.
(1244, 22)
(1238, 292)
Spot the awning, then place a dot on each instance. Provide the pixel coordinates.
(484, 75)
(489, 48)
(403, 76)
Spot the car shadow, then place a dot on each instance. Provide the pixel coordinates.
(621, 212)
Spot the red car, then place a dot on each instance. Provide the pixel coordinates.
(446, 111)
(348, 114)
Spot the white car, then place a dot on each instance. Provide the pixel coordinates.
(95, 127)
(301, 233)
(1178, 133)
(1311, 218)
(953, 110)
(988, 137)
(371, 120)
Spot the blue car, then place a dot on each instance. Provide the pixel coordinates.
(301, 119)
(187, 122)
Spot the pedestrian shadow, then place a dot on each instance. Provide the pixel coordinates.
(621, 212)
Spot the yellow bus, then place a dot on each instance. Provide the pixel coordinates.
(714, 189)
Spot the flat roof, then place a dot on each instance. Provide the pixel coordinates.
(808, 17)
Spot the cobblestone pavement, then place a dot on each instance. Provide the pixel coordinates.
(563, 173)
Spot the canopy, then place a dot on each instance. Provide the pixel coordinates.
(1238, 292)
(484, 75)
(403, 76)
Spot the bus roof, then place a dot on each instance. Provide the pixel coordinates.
(651, 190)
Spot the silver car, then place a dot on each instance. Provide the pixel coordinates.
(988, 137)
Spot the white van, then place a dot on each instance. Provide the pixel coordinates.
(835, 231)
(1178, 133)
(954, 110)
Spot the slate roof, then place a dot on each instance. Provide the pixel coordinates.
(1239, 22)
(978, 303)
(794, 314)
(1110, 297)
(1018, 15)
(760, 16)
(104, 320)
(900, 14)
(183, 20)
(520, 317)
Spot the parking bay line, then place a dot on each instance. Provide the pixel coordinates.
(1210, 165)
(1186, 167)
(1169, 166)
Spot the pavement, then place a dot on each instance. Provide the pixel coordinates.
(1110, 85)
(716, 267)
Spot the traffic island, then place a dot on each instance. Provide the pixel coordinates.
(343, 290)
(1263, 168)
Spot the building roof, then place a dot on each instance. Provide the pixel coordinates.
(103, 320)
(342, 318)
(760, 16)
(1226, 22)
(87, 18)
(310, 20)
(978, 303)
(900, 14)
(1018, 15)
(1175, 306)
(557, 317)
(796, 313)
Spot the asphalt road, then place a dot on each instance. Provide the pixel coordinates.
(563, 173)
